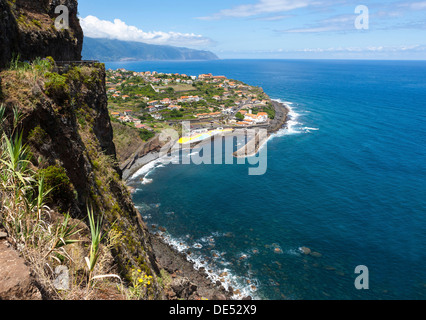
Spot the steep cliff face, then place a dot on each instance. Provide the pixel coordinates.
(27, 28)
(65, 121)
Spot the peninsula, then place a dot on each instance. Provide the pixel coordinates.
(143, 104)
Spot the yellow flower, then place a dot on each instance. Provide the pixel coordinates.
(140, 280)
(139, 270)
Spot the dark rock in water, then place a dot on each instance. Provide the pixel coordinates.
(305, 250)
(188, 283)
(316, 254)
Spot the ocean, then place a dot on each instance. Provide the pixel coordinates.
(346, 179)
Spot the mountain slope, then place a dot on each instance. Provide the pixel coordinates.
(116, 50)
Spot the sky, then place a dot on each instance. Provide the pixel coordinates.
(267, 29)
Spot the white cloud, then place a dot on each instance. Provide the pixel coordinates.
(416, 5)
(332, 24)
(119, 30)
(274, 18)
(262, 7)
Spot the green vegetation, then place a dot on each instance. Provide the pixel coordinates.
(239, 116)
(38, 66)
(23, 211)
(145, 134)
(37, 136)
(96, 238)
(56, 85)
(45, 238)
(57, 180)
(36, 23)
(39, 205)
(140, 281)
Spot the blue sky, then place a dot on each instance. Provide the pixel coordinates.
(268, 29)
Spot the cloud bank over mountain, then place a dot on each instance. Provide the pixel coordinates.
(94, 27)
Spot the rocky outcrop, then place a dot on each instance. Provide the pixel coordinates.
(27, 28)
(146, 153)
(281, 115)
(16, 281)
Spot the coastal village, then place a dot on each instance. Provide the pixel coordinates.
(152, 101)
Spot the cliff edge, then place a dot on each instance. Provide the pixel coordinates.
(27, 29)
(66, 217)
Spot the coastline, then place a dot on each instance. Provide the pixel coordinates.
(255, 144)
(176, 262)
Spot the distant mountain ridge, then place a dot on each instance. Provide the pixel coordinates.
(116, 50)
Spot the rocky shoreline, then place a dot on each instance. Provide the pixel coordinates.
(281, 117)
(254, 145)
(188, 282)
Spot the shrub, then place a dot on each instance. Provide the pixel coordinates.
(62, 193)
(239, 116)
(17, 65)
(43, 65)
(56, 86)
(145, 134)
(37, 136)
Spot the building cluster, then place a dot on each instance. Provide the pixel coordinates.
(242, 96)
(127, 117)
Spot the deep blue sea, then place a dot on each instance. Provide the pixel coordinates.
(347, 179)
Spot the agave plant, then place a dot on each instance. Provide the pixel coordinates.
(61, 236)
(95, 250)
(96, 238)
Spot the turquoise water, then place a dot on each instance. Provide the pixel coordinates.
(347, 180)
